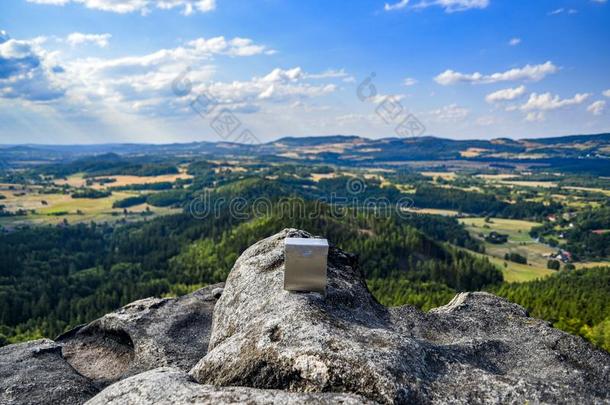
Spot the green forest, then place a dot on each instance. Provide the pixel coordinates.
(55, 277)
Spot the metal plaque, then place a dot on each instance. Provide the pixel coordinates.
(305, 264)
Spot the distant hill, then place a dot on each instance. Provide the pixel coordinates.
(590, 153)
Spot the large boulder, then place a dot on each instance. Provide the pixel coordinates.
(171, 386)
(36, 373)
(143, 335)
(479, 348)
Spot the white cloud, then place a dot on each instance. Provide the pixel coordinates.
(451, 6)
(514, 41)
(51, 2)
(133, 83)
(77, 38)
(359, 119)
(505, 94)
(547, 101)
(332, 74)
(527, 72)
(409, 81)
(487, 120)
(380, 98)
(599, 1)
(535, 116)
(597, 108)
(396, 6)
(234, 47)
(143, 6)
(606, 93)
(27, 71)
(563, 10)
(449, 113)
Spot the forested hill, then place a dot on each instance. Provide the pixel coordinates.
(575, 301)
(575, 153)
(53, 278)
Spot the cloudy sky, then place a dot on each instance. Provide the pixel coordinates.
(95, 71)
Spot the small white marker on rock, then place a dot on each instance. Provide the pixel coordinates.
(305, 264)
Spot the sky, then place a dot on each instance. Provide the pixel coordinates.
(163, 71)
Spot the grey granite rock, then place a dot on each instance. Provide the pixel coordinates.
(36, 373)
(477, 349)
(266, 345)
(143, 335)
(171, 386)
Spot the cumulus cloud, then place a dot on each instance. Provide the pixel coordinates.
(332, 74)
(380, 98)
(505, 94)
(449, 113)
(233, 47)
(606, 93)
(279, 85)
(514, 41)
(138, 84)
(396, 6)
(527, 72)
(535, 116)
(144, 7)
(143, 85)
(547, 101)
(27, 71)
(451, 6)
(409, 81)
(597, 108)
(77, 38)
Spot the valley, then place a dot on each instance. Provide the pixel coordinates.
(109, 228)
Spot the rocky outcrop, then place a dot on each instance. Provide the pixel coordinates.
(479, 348)
(36, 373)
(143, 335)
(170, 386)
(267, 345)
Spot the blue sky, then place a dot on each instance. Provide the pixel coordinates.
(94, 71)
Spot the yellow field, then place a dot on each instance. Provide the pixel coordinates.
(519, 241)
(62, 206)
(516, 272)
(495, 176)
(433, 211)
(593, 190)
(78, 180)
(442, 175)
(588, 265)
(319, 176)
(542, 184)
(472, 152)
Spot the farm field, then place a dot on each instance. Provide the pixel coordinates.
(593, 190)
(519, 241)
(442, 175)
(434, 211)
(541, 184)
(54, 208)
(78, 180)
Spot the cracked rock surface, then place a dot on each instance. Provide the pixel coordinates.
(250, 341)
(143, 335)
(479, 348)
(170, 386)
(36, 373)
